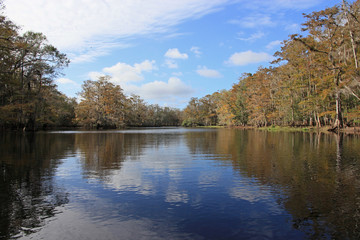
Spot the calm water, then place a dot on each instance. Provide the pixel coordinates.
(179, 184)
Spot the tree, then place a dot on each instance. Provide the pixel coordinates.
(27, 69)
(332, 39)
(137, 112)
(192, 113)
(102, 104)
(316, 80)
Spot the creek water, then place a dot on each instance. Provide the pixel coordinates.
(177, 183)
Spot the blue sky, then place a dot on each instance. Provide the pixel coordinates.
(165, 51)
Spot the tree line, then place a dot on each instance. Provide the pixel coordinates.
(29, 99)
(104, 105)
(314, 81)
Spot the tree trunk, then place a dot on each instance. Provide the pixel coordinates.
(338, 118)
(318, 123)
(353, 43)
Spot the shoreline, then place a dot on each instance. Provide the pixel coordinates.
(326, 129)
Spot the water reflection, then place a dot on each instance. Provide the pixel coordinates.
(180, 184)
(28, 193)
(318, 175)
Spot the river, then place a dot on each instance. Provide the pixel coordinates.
(177, 183)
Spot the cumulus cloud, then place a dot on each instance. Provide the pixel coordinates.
(123, 72)
(128, 77)
(174, 87)
(174, 53)
(95, 75)
(248, 57)
(66, 81)
(210, 73)
(273, 44)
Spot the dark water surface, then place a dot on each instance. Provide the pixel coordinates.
(179, 184)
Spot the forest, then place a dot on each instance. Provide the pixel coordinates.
(314, 81)
(29, 99)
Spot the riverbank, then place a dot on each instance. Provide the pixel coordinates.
(326, 129)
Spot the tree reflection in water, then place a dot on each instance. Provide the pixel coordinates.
(29, 193)
(314, 177)
(317, 174)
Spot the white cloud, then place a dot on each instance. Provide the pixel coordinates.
(273, 44)
(175, 54)
(248, 57)
(95, 75)
(196, 51)
(254, 21)
(123, 72)
(252, 37)
(97, 50)
(128, 76)
(170, 63)
(161, 90)
(83, 25)
(66, 81)
(210, 73)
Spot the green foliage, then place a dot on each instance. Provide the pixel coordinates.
(189, 123)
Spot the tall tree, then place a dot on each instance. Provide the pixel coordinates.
(27, 69)
(328, 41)
(102, 105)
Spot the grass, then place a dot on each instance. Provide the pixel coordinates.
(288, 129)
(292, 129)
(210, 126)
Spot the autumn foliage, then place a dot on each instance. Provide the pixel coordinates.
(29, 99)
(314, 81)
(104, 105)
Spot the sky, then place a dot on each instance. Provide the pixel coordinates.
(165, 51)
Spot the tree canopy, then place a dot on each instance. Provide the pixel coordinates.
(315, 79)
(28, 96)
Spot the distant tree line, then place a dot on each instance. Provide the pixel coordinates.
(104, 105)
(314, 81)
